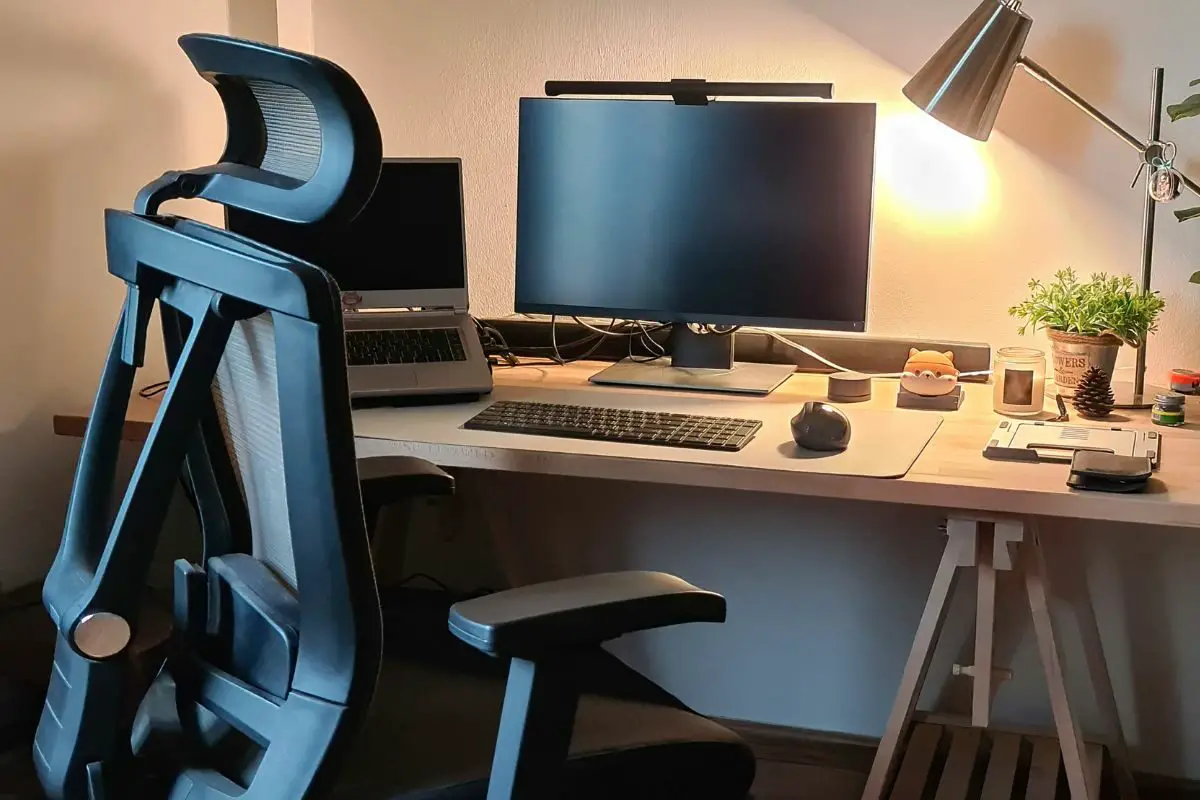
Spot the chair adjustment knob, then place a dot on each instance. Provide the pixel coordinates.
(102, 635)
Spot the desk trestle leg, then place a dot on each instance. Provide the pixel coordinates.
(960, 548)
(989, 544)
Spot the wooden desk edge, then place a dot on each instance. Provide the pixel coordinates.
(75, 425)
(918, 488)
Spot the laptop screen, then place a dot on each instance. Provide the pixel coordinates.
(408, 238)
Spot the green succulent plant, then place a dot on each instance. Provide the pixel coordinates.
(1103, 304)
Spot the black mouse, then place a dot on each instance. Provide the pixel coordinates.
(820, 426)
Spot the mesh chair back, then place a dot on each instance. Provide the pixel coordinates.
(278, 637)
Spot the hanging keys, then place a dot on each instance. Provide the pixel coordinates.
(1164, 184)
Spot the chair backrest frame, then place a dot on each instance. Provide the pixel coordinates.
(209, 284)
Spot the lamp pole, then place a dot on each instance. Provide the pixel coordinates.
(1135, 396)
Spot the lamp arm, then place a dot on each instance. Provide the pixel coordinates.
(1039, 72)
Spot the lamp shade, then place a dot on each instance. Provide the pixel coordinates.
(964, 83)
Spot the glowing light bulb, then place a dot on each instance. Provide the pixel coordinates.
(930, 175)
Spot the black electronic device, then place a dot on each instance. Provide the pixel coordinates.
(616, 425)
(727, 214)
(1106, 472)
(821, 427)
(403, 259)
(404, 249)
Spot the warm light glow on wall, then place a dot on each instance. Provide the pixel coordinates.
(929, 175)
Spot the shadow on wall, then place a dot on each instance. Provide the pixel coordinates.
(80, 132)
(1153, 655)
(822, 596)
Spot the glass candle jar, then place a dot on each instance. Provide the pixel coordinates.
(1019, 381)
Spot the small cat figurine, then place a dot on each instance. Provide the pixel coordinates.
(929, 373)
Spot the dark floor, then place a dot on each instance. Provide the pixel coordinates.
(776, 781)
(17, 781)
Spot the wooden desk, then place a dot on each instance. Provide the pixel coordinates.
(990, 505)
(950, 473)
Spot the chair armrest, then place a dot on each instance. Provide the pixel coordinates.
(564, 614)
(389, 479)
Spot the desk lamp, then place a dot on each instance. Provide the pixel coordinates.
(963, 85)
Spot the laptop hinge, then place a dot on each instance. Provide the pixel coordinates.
(421, 310)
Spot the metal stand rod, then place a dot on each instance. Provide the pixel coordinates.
(1038, 71)
(1148, 151)
(1156, 107)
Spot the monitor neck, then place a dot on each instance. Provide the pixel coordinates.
(692, 350)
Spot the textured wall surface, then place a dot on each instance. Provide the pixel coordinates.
(99, 101)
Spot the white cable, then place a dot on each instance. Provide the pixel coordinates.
(796, 346)
(833, 365)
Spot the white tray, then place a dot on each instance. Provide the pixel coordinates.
(1023, 440)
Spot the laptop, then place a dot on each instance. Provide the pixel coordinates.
(401, 265)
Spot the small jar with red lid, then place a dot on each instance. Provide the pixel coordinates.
(1185, 381)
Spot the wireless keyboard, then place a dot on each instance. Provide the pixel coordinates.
(616, 425)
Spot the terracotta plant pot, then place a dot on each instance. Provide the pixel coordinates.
(1074, 354)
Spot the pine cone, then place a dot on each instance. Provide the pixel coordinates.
(1093, 396)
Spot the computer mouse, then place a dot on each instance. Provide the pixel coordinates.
(822, 427)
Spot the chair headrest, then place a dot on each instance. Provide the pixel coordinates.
(303, 143)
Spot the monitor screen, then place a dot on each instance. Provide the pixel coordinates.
(735, 212)
(409, 236)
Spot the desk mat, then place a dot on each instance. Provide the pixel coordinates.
(884, 442)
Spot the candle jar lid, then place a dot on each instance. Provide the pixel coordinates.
(1020, 354)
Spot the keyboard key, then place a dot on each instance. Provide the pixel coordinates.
(404, 346)
(616, 425)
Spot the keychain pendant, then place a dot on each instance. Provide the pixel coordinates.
(1164, 184)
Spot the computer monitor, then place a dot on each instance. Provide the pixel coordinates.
(404, 249)
(734, 213)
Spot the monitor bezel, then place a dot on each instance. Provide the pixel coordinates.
(677, 317)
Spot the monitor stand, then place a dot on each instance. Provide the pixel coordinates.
(699, 362)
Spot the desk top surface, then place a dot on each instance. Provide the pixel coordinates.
(950, 473)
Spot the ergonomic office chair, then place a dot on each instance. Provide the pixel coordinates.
(276, 684)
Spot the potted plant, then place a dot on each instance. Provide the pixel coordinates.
(1087, 321)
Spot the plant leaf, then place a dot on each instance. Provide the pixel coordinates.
(1188, 108)
(1195, 82)
(1196, 278)
(1185, 214)
(1102, 304)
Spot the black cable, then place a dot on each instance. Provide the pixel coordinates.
(153, 389)
(558, 356)
(646, 339)
(496, 346)
(625, 323)
(425, 576)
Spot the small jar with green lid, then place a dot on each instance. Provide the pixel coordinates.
(1168, 410)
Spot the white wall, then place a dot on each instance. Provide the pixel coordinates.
(975, 221)
(97, 100)
(824, 596)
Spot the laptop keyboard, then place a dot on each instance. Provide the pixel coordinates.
(404, 346)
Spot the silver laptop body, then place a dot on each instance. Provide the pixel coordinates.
(432, 324)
